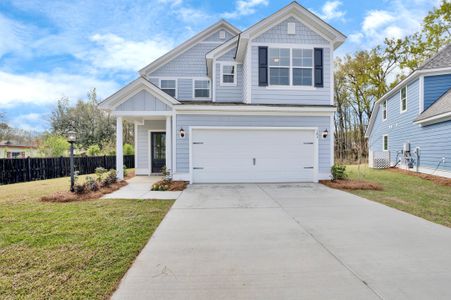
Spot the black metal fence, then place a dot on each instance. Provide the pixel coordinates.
(13, 170)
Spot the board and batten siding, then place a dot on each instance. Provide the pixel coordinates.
(186, 121)
(434, 140)
(434, 87)
(143, 101)
(142, 143)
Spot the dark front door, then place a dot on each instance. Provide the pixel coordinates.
(158, 151)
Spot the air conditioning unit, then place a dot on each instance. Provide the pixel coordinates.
(406, 147)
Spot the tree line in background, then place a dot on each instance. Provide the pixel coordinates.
(365, 76)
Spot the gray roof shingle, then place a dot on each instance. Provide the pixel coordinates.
(441, 59)
(440, 106)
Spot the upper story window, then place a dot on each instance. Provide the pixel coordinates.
(228, 74)
(169, 86)
(290, 66)
(384, 110)
(403, 103)
(201, 88)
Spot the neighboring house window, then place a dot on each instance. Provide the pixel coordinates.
(279, 66)
(404, 99)
(14, 154)
(385, 142)
(302, 62)
(384, 110)
(168, 86)
(228, 74)
(201, 88)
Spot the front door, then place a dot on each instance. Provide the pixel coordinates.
(158, 151)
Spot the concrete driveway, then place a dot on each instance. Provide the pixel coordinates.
(289, 241)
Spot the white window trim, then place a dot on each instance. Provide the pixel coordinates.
(383, 142)
(384, 118)
(169, 78)
(400, 100)
(194, 88)
(290, 70)
(221, 73)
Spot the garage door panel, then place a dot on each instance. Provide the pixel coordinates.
(227, 155)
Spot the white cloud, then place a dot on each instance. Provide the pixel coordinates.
(13, 35)
(375, 19)
(116, 53)
(245, 8)
(331, 11)
(31, 122)
(46, 88)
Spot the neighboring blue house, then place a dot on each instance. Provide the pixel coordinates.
(411, 124)
(237, 106)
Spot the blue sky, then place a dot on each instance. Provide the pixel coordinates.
(54, 49)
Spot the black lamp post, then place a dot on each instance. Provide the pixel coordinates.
(71, 137)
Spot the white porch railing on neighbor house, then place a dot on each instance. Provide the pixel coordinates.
(379, 159)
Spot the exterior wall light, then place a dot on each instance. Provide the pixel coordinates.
(325, 133)
(182, 133)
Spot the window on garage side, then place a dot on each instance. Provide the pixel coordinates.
(403, 98)
(168, 86)
(385, 142)
(228, 76)
(384, 110)
(279, 66)
(201, 88)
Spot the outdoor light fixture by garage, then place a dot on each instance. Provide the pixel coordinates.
(71, 138)
(325, 133)
(182, 132)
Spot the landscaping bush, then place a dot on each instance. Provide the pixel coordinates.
(110, 178)
(80, 188)
(91, 184)
(100, 172)
(339, 172)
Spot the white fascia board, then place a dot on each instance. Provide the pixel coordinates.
(187, 45)
(219, 51)
(142, 113)
(435, 119)
(254, 110)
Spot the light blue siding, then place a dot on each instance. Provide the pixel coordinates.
(229, 93)
(143, 101)
(313, 96)
(434, 140)
(228, 56)
(186, 121)
(184, 89)
(143, 141)
(278, 34)
(434, 87)
(214, 37)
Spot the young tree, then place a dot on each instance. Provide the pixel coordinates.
(54, 145)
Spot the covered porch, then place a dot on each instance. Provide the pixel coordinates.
(152, 113)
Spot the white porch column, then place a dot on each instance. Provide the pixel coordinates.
(119, 148)
(168, 144)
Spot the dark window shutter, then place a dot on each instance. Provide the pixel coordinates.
(262, 66)
(319, 73)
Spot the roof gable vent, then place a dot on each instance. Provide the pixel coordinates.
(222, 34)
(291, 28)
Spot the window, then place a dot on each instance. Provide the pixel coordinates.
(279, 66)
(404, 99)
(228, 76)
(385, 142)
(168, 86)
(384, 110)
(201, 88)
(302, 62)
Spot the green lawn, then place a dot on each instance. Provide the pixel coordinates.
(69, 250)
(411, 194)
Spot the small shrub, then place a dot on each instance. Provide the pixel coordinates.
(91, 184)
(80, 188)
(99, 173)
(339, 172)
(167, 178)
(160, 186)
(110, 178)
(125, 171)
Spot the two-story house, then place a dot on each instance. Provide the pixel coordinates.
(237, 106)
(411, 125)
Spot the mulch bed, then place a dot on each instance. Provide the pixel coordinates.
(352, 185)
(436, 179)
(68, 196)
(174, 185)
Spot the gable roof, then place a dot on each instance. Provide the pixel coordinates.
(438, 111)
(133, 88)
(187, 45)
(439, 62)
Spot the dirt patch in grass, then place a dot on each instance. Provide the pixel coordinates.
(68, 196)
(436, 179)
(352, 185)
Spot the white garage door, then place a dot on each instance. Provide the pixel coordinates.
(253, 155)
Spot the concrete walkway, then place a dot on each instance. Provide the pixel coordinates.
(289, 241)
(139, 188)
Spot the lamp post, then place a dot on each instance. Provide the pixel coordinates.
(71, 137)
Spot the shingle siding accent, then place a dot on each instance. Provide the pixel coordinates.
(434, 140)
(434, 87)
(143, 101)
(279, 34)
(143, 141)
(266, 95)
(186, 121)
(229, 93)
